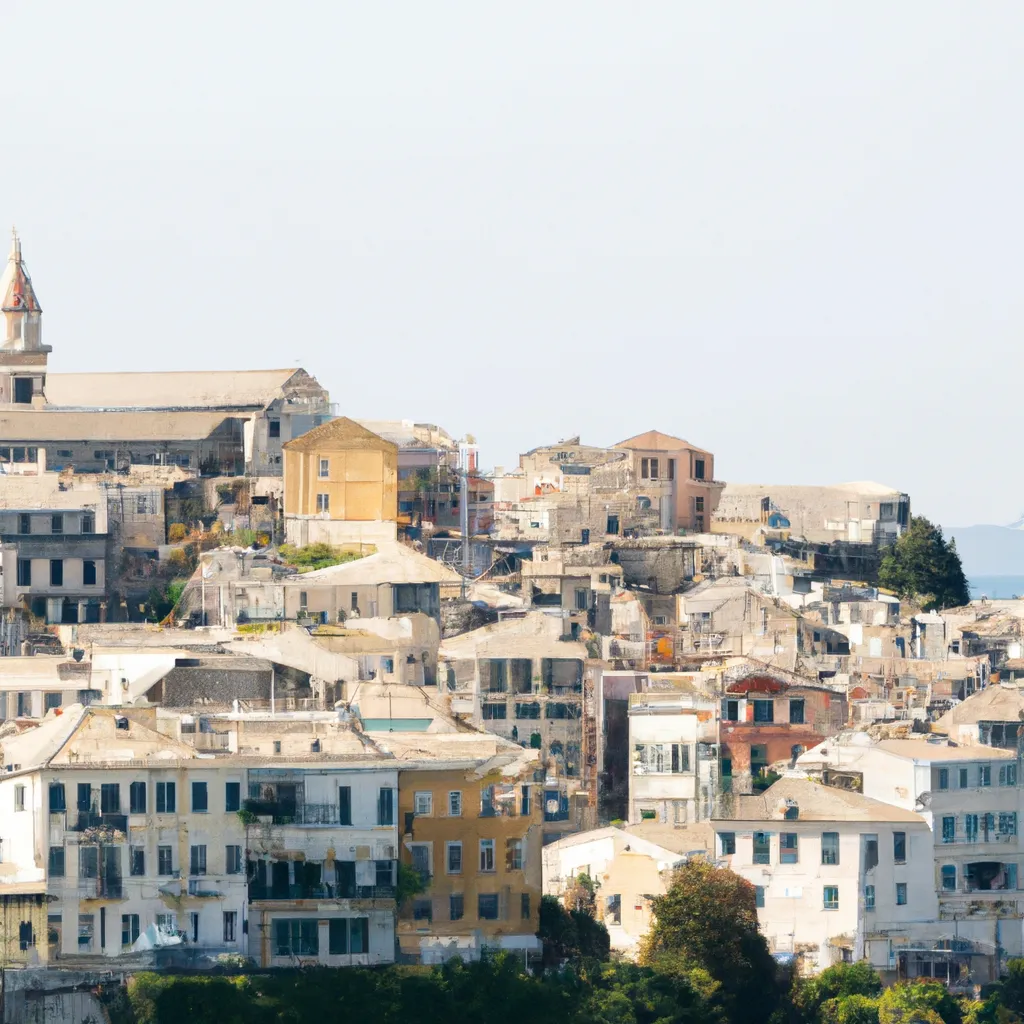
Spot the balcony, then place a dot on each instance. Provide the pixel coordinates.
(323, 891)
(283, 813)
(92, 819)
(101, 889)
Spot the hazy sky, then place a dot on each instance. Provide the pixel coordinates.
(790, 233)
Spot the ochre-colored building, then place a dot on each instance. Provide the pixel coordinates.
(340, 473)
(474, 833)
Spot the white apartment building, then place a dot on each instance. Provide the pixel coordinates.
(133, 837)
(971, 800)
(335, 905)
(665, 767)
(836, 874)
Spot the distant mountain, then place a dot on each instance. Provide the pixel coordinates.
(990, 550)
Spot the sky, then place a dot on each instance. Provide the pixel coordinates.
(790, 233)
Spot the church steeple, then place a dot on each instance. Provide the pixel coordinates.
(19, 305)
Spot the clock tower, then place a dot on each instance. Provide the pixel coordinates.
(22, 352)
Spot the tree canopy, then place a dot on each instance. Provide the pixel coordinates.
(707, 922)
(921, 564)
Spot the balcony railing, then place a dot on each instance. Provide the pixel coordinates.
(295, 814)
(92, 819)
(325, 891)
(101, 889)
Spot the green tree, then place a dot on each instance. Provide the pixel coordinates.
(922, 565)
(817, 998)
(570, 934)
(708, 920)
(918, 1002)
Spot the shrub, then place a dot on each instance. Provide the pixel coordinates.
(176, 533)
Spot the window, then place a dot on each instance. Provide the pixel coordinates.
(325, 468)
(455, 804)
(962, 777)
(89, 862)
(788, 848)
(732, 710)
(277, 746)
(197, 860)
(453, 858)
(337, 936)
(129, 929)
(323, 503)
(487, 855)
(513, 855)
(949, 829)
(1008, 775)
(487, 906)
(199, 797)
(830, 897)
(296, 937)
(86, 926)
(796, 712)
(423, 909)
(56, 523)
(232, 796)
(524, 906)
(984, 775)
(524, 801)
(19, 798)
(726, 843)
(273, 428)
(56, 868)
(230, 925)
(495, 712)
(829, 847)
(136, 861)
(869, 897)
(232, 860)
(386, 806)
(943, 778)
(165, 798)
(193, 918)
(24, 523)
(662, 758)
(423, 803)
(949, 877)
(1008, 823)
(759, 896)
(762, 848)
(764, 711)
(698, 505)
(24, 572)
(56, 572)
(89, 573)
(901, 894)
(110, 798)
(344, 805)
(698, 469)
(899, 847)
(88, 523)
(137, 798)
(164, 860)
(971, 828)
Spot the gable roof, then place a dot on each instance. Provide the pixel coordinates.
(815, 802)
(176, 389)
(339, 434)
(655, 440)
(41, 425)
(393, 563)
(996, 703)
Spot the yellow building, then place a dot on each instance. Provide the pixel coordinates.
(474, 831)
(340, 485)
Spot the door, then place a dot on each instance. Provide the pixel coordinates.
(279, 884)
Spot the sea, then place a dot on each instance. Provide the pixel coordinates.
(994, 587)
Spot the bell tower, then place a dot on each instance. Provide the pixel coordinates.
(22, 352)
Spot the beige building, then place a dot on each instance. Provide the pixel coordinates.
(340, 485)
(684, 477)
(628, 866)
(472, 829)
